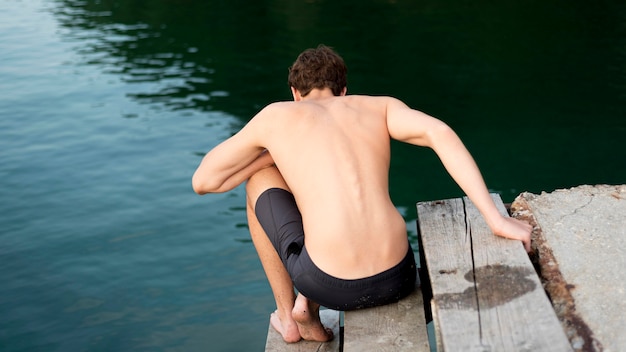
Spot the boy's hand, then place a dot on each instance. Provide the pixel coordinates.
(514, 229)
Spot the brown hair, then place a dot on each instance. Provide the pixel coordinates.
(318, 68)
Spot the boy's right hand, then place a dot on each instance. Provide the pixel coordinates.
(514, 229)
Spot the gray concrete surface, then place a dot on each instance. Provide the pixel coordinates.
(580, 237)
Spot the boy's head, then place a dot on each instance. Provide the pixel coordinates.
(318, 68)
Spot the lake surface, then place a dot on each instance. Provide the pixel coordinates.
(106, 108)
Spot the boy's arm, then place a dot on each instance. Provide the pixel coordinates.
(202, 178)
(412, 126)
(233, 161)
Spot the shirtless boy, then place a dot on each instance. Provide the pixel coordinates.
(319, 209)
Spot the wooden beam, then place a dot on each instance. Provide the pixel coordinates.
(394, 327)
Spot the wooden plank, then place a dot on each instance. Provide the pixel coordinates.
(393, 327)
(330, 319)
(446, 247)
(486, 294)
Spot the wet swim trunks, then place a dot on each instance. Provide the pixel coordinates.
(279, 216)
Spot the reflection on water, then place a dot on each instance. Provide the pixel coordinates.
(215, 55)
(198, 52)
(108, 106)
(140, 52)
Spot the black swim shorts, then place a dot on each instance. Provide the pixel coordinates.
(279, 216)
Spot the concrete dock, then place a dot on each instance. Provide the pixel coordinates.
(579, 249)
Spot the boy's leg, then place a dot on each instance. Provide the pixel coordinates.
(277, 275)
(308, 325)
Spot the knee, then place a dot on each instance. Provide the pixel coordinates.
(266, 178)
(255, 183)
(261, 181)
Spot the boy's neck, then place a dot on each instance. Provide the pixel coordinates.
(317, 94)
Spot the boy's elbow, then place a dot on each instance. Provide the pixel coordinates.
(442, 134)
(202, 186)
(198, 187)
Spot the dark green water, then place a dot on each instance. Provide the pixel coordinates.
(107, 107)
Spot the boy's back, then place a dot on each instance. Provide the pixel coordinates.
(334, 155)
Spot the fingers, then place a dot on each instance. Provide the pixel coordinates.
(517, 230)
(527, 246)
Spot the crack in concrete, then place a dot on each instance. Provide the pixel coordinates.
(575, 211)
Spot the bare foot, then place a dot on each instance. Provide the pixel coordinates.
(288, 330)
(306, 314)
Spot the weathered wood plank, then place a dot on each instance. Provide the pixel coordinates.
(330, 319)
(394, 327)
(486, 294)
(446, 247)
